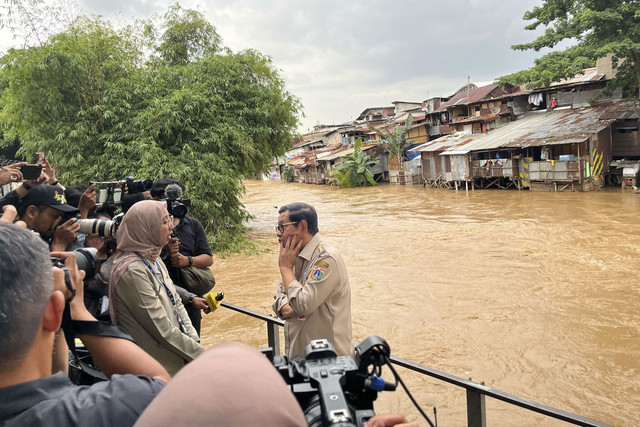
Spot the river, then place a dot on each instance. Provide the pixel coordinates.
(536, 294)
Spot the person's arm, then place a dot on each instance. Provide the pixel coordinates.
(388, 420)
(9, 213)
(27, 185)
(51, 173)
(136, 291)
(203, 257)
(190, 298)
(201, 261)
(87, 201)
(112, 355)
(281, 304)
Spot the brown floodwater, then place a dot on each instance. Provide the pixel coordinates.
(536, 294)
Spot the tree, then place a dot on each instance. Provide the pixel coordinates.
(596, 28)
(395, 143)
(355, 169)
(96, 102)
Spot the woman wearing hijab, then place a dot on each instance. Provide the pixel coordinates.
(143, 299)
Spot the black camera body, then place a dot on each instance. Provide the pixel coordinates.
(30, 171)
(335, 390)
(86, 260)
(178, 207)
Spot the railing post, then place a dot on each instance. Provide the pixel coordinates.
(273, 337)
(476, 410)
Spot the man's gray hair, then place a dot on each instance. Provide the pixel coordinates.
(26, 282)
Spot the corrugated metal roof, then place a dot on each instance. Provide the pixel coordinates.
(445, 142)
(341, 152)
(475, 119)
(467, 96)
(588, 75)
(545, 128)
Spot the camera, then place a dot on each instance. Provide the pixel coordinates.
(101, 227)
(31, 171)
(178, 209)
(111, 192)
(87, 261)
(336, 390)
(176, 205)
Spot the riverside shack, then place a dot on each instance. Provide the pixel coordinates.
(545, 151)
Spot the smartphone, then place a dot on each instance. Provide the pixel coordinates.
(39, 158)
(30, 171)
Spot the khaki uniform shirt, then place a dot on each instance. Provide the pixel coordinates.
(321, 296)
(145, 312)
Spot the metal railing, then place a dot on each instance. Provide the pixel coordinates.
(476, 393)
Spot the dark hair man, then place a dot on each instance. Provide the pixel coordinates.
(314, 296)
(32, 299)
(42, 208)
(189, 248)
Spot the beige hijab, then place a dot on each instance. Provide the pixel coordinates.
(138, 232)
(235, 386)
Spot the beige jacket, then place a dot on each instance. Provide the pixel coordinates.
(321, 296)
(144, 310)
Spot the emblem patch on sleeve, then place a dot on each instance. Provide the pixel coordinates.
(316, 273)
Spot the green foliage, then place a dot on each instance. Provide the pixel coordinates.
(188, 35)
(287, 173)
(355, 169)
(395, 143)
(595, 29)
(94, 103)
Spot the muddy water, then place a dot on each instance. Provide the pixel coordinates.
(536, 294)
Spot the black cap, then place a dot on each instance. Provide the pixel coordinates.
(47, 195)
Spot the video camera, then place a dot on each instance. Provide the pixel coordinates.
(176, 205)
(336, 390)
(111, 192)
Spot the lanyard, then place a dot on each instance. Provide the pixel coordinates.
(183, 325)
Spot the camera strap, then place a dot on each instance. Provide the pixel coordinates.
(102, 329)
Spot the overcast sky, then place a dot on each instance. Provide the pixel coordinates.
(340, 57)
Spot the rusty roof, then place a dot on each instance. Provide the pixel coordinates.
(545, 128)
(467, 96)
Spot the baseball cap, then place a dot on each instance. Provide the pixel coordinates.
(47, 195)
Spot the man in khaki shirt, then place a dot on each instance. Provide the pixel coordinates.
(314, 296)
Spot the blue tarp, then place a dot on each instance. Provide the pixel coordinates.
(412, 154)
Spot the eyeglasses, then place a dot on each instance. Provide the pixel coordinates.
(280, 227)
(168, 220)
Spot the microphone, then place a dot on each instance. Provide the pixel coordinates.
(173, 192)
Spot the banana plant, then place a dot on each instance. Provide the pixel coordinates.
(355, 169)
(395, 143)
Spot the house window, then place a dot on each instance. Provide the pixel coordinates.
(477, 108)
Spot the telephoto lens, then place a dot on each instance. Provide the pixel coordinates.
(102, 227)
